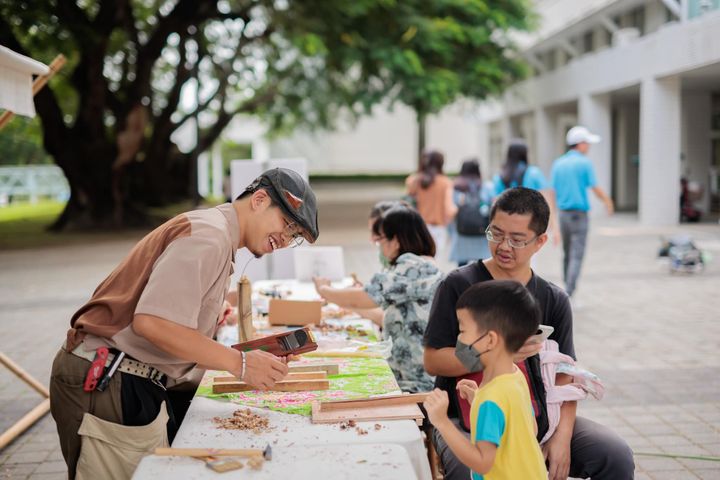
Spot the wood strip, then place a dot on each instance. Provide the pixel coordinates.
(291, 376)
(283, 386)
(23, 375)
(329, 368)
(386, 401)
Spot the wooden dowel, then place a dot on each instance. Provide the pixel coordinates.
(39, 83)
(23, 375)
(24, 423)
(373, 402)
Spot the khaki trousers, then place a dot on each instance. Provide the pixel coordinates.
(93, 439)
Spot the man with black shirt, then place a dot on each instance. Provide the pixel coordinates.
(518, 221)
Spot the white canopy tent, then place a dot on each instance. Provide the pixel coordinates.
(16, 81)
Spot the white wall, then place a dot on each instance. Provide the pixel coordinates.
(386, 142)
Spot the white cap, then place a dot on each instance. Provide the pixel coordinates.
(580, 134)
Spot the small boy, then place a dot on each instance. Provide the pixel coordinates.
(496, 318)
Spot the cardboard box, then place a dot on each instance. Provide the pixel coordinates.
(294, 312)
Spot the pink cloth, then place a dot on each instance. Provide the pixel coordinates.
(553, 362)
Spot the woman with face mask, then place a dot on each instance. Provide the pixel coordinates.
(404, 291)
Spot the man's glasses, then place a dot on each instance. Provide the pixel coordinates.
(292, 234)
(500, 238)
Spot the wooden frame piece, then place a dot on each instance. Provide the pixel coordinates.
(329, 368)
(282, 386)
(386, 401)
(291, 376)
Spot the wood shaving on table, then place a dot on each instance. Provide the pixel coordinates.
(244, 419)
(256, 463)
(327, 328)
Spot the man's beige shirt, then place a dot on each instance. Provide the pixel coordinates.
(179, 271)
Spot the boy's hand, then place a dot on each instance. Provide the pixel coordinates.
(436, 405)
(466, 389)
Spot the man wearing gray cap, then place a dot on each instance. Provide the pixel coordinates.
(153, 319)
(571, 176)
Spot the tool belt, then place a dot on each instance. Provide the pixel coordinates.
(127, 365)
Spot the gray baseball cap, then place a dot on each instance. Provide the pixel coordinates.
(292, 193)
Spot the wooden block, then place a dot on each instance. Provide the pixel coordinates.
(282, 386)
(294, 312)
(291, 376)
(372, 414)
(329, 368)
(386, 401)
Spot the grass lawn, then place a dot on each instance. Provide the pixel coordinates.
(24, 225)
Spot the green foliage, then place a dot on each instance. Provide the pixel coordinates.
(291, 62)
(21, 143)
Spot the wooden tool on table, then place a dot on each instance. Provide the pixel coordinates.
(265, 453)
(210, 456)
(282, 344)
(391, 407)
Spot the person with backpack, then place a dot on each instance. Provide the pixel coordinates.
(579, 447)
(473, 199)
(517, 172)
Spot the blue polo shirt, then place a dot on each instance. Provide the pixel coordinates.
(571, 175)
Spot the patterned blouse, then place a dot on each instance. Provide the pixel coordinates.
(405, 292)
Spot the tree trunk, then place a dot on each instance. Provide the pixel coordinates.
(422, 131)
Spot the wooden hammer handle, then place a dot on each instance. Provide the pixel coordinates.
(209, 452)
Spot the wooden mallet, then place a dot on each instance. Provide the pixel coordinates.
(266, 454)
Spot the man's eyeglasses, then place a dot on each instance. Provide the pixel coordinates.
(500, 238)
(293, 234)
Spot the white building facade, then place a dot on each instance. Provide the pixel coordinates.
(645, 75)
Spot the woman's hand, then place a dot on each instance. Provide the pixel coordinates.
(319, 283)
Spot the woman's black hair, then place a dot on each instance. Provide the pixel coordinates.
(469, 175)
(431, 165)
(383, 206)
(516, 163)
(405, 224)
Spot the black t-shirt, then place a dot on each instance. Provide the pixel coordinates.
(443, 328)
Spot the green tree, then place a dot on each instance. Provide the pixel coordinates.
(108, 118)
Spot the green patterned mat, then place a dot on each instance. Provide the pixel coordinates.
(358, 378)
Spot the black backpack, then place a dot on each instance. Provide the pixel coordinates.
(473, 216)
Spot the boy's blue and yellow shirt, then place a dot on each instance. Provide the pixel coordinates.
(502, 414)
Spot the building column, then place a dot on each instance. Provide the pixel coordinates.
(659, 195)
(544, 140)
(594, 112)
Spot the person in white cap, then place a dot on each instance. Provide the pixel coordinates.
(571, 176)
